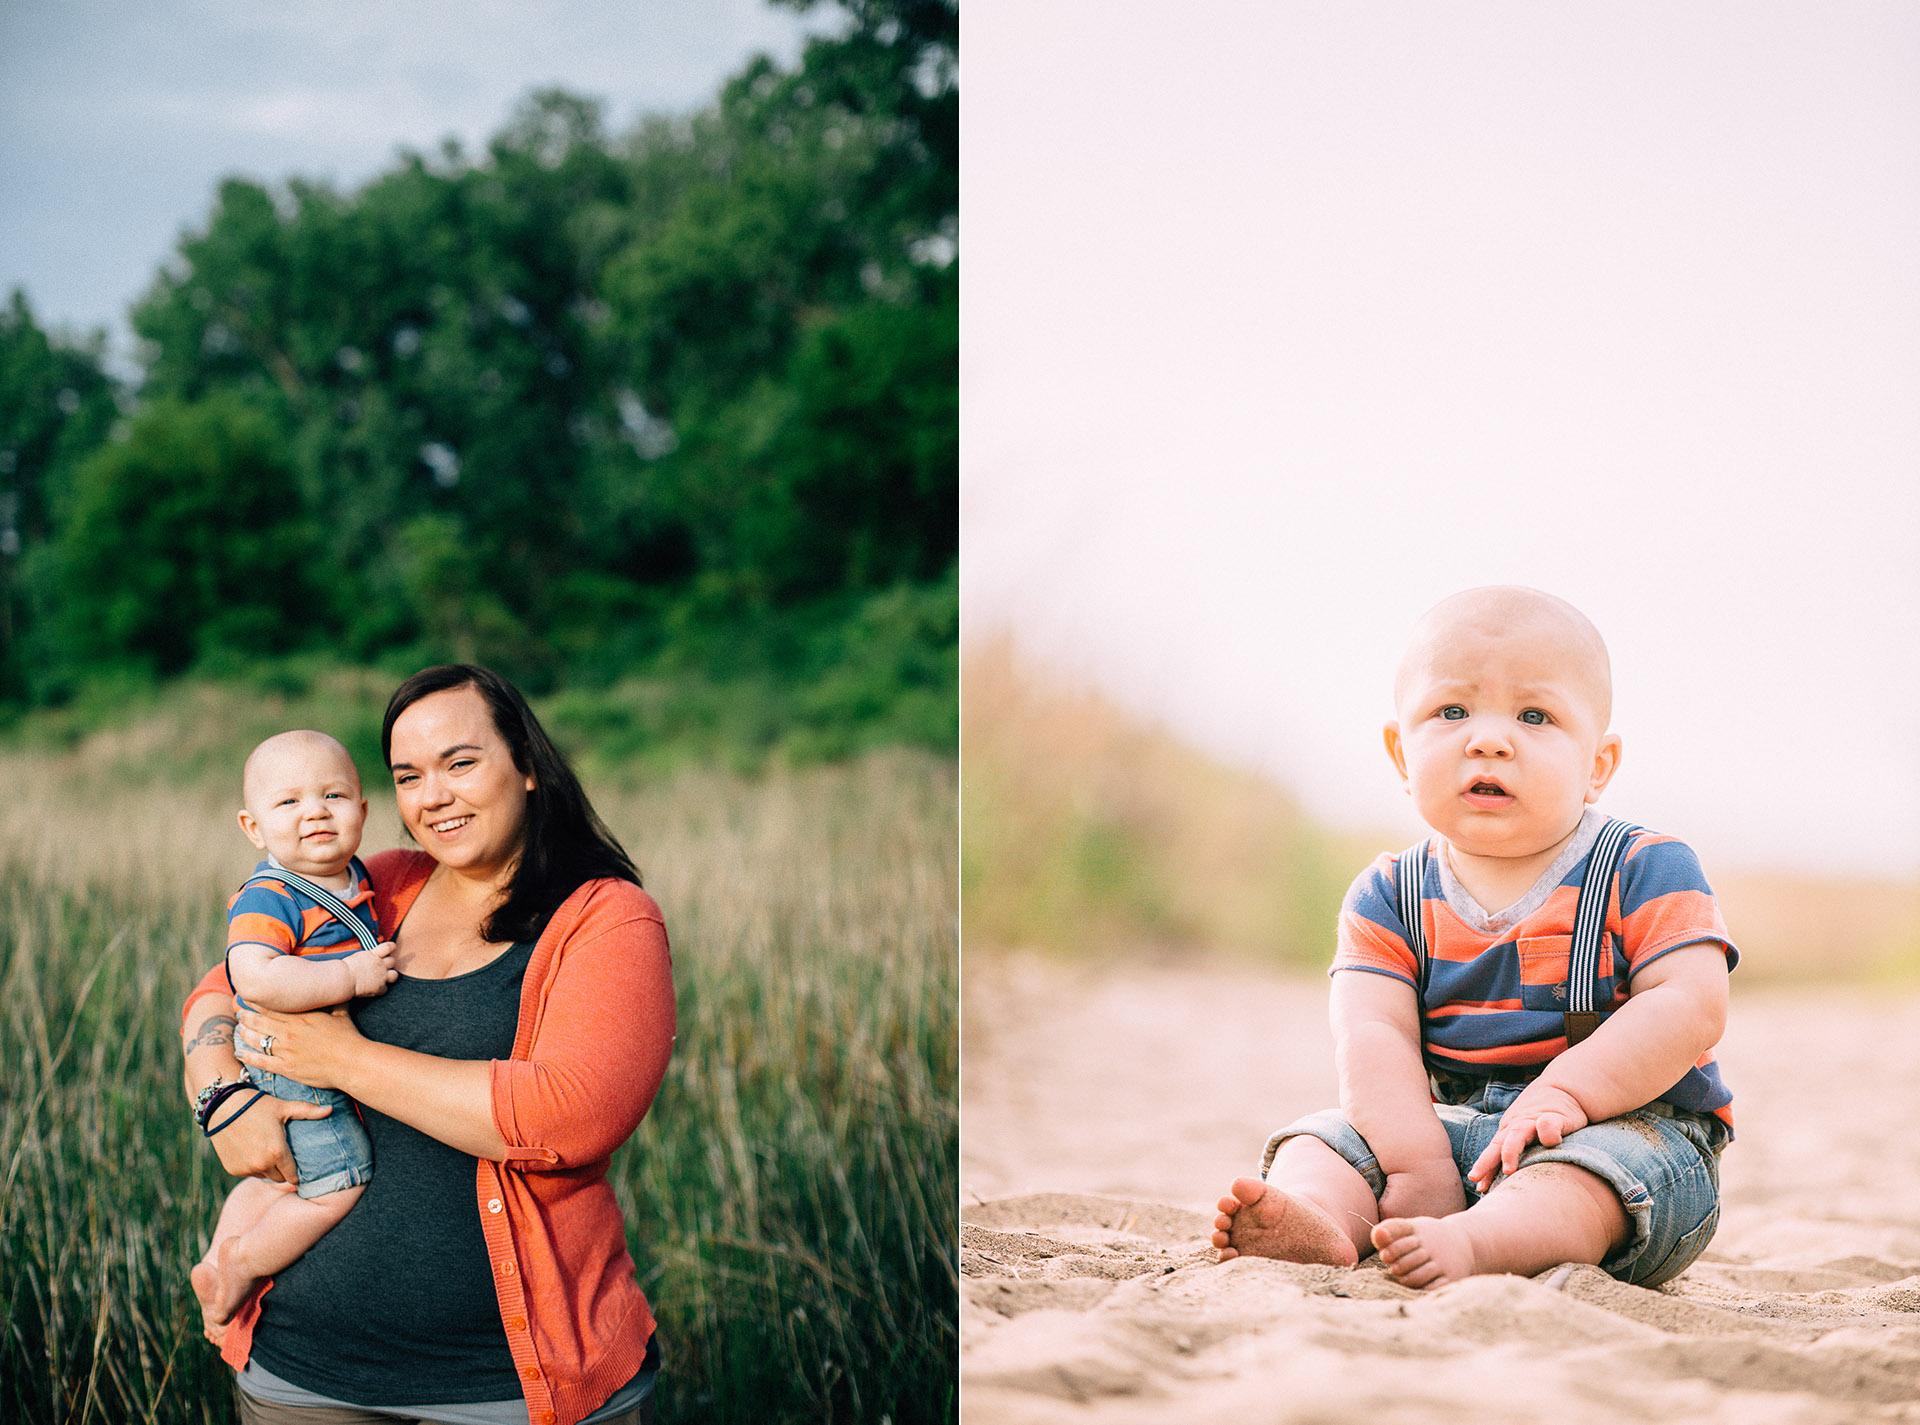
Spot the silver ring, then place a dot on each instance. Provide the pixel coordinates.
(266, 1046)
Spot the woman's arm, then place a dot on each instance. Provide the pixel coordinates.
(254, 1145)
(447, 1099)
(597, 1059)
(604, 1039)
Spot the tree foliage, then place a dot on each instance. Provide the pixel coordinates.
(584, 406)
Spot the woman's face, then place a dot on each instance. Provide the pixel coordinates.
(459, 792)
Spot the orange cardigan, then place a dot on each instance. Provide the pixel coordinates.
(595, 1032)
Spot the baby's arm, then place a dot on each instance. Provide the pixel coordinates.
(1676, 1010)
(1383, 1092)
(289, 984)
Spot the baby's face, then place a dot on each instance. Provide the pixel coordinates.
(304, 804)
(1502, 733)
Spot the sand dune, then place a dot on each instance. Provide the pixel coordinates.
(1101, 1115)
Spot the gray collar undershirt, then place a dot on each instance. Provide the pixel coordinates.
(1478, 918)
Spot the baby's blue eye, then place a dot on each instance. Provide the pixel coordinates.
(1453, 712)
(1533, 717)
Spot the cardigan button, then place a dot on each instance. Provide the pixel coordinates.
(518, 1323)
(531, 1373)
(548, 1417)
(506, 1268)
(493, 1204)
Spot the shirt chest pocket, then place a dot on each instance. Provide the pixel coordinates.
(1543, 970)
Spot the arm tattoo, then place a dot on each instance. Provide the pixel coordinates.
(215, 1030)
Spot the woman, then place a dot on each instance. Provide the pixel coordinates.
(484, 1276)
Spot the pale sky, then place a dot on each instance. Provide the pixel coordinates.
(118, 117)
(1282, 321)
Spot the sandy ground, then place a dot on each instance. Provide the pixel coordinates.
(1102, 1115)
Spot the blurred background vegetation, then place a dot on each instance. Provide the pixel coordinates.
(664, 421)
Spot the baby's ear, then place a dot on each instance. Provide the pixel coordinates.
(1391, 735)
(1606, 761)
(251, 828)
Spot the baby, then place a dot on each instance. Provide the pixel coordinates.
(287, 950)
(1524, 1006)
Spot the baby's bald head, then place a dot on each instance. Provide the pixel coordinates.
(1501, 616)
(276, 760)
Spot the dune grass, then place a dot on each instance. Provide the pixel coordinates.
(1090, 832)
(790, 1199)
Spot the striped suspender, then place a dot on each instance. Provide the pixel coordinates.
(1589, 921)
(1589, 927)
(327, 898)
(1412, 878)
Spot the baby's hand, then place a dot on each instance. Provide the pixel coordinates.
(1541, 1112)
(372, 970)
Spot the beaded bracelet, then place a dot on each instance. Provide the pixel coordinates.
(211, 1097)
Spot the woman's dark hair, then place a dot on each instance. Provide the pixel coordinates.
(565, 844)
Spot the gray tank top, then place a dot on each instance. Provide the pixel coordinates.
(396, 1304)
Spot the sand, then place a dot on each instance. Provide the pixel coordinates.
(1102, 1115)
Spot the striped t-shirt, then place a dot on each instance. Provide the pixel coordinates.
(284, 918)
(1497, 984)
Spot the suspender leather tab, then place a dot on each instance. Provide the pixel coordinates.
(1579, 1026)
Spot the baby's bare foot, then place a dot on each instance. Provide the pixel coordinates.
(1259, 1220)
(1425, 1251)
(221, 1284)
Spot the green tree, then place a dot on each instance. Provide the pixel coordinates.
(585, 405)
(186, 540)
(56, 404)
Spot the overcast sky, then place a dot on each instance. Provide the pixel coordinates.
(118, 117)
(1282, 321)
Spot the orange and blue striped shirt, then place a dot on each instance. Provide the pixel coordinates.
(284, 918)
(1496, 993)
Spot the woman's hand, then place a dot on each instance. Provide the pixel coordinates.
(316, 1049)
(254, 1145)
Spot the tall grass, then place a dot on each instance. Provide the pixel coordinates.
(790, 1199)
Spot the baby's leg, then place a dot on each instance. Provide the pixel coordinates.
(1314, 1207)
(245, 1205)
(279, 1236)
(1545, 1214)
(249, 1199)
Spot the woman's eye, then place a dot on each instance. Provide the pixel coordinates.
(1453, 712)
(1533, 717)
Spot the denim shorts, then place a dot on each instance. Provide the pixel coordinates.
(332, 1152)
(1663, 1161)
